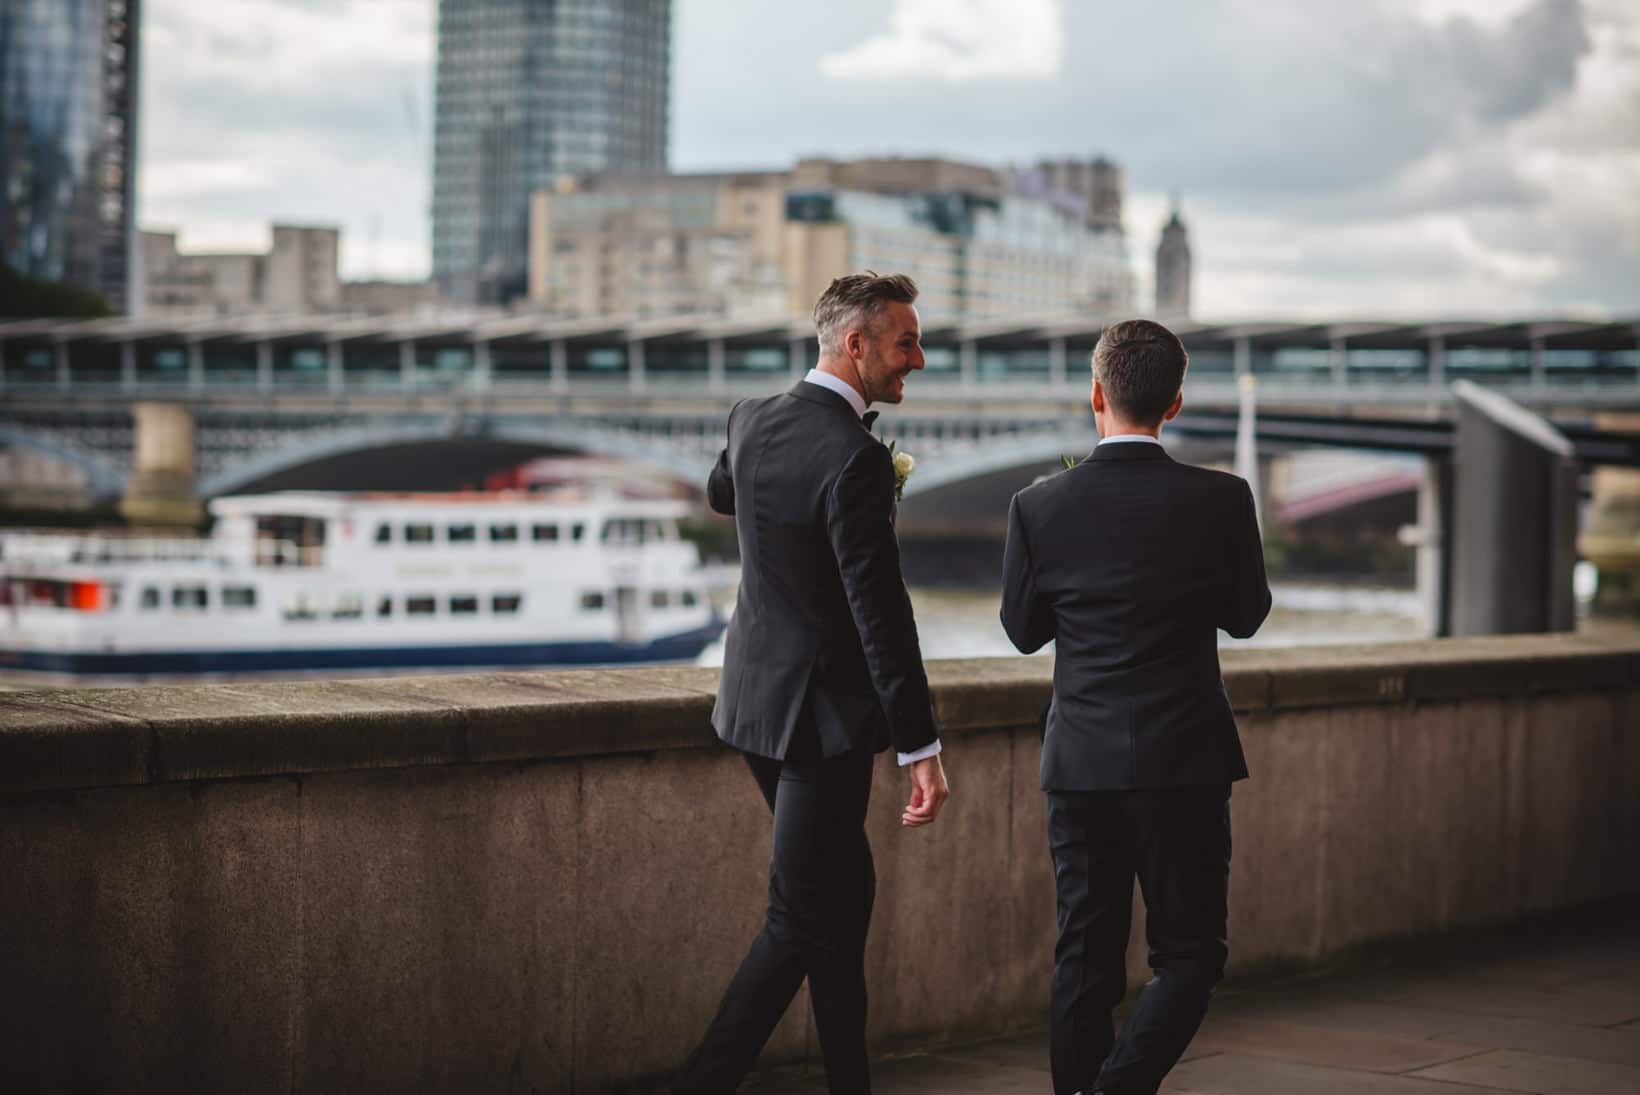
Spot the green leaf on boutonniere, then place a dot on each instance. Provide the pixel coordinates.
(1067, 462)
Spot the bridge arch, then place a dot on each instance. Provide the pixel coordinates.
(104, 479)
(520, 439)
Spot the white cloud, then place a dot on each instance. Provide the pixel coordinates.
(959, 40)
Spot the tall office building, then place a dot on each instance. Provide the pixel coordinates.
(1173, 270)
(528, 92)
(68, 142)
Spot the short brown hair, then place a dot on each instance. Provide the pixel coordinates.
(857, 300)
(1141, 365)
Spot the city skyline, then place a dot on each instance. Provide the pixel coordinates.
(1400, 157)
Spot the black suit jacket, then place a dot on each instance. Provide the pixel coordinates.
(821, 653)
(1131, 562)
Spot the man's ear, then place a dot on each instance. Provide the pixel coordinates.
(854, 343)
(1178, 401)
(1098, 398)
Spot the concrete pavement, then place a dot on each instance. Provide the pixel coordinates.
(1550, 1010)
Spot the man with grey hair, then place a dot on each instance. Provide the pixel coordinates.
(821, 671)
(1131, 561)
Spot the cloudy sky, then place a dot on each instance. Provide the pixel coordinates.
(1382, 157)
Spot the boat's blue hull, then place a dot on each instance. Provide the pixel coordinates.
(680, 647)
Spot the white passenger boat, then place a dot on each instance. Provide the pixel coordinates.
(311, 581)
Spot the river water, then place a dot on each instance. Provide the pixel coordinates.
(963, 623)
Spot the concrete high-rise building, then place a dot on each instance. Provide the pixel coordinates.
(68, 143)
(529, 92)
(297, 276)
(1098, 182)
(765, 244)
(1173, 270)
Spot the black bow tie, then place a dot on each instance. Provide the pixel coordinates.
(868, 418)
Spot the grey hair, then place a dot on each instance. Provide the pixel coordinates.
(856, 300)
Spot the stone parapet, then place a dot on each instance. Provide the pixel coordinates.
(543, 881)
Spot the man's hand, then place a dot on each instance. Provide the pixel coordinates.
(928, 792)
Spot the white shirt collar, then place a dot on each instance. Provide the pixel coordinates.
(840, 386)
(1130, 437)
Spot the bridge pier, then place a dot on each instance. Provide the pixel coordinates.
(1514, 519)
(1611, 539)
(160, 490)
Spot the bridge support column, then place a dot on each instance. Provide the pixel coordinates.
(483, 367)
(1056, 362)
(714, 365)
(407, 366)
(1539, 373)
(795, 359)
(128, 366)
(59, 352)
(2, 364)
(636, 379)
(1244, 356)
(264, 367)
(1432, 540)
(333, 367)
(968, 362)
(1338, 362)
(1437, 363)
(1611, 536)
(160, 490)
(1514, 527)
(196, 366)
(558, 365)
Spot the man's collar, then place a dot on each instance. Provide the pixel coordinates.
(840, 386)
(1122, 437)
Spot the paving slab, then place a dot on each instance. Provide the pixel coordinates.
(1233, 1074)
(1511, 1070)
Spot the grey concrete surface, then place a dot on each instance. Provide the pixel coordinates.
(1554, 1010)
(543, 881)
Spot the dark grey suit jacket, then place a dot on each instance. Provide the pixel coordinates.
(822, 648)
(1131, 562)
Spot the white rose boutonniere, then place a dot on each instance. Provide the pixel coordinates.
(904, 465)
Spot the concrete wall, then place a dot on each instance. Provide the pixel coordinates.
(544, 881)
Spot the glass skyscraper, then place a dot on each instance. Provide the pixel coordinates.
(68, 138)
(529, 92)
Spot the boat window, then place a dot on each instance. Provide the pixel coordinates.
(349, 606)
(505, 604)
(384, 605)
(420, 606)
(461, 534)
(150, 597)
(592, 602)
(623, 530)
(302, 607)
(238, 596)
(113, 594)
(418, 534)
(659, 599)
(463, 604)
(384, 533)
(544, 534)
(577, 532)
(503, 534)
(192, 598)
(657, 531)
(687, 598)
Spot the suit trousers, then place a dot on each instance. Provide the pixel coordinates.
(821, 886)
(1176, 841)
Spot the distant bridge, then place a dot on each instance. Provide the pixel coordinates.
(272, 395)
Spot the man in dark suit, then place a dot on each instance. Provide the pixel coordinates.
(821, 671)
(1131, 562)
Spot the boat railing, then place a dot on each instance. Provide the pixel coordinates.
(113, 550)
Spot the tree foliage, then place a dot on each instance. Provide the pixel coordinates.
(23, 297)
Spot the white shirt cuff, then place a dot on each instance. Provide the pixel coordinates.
(930, 750)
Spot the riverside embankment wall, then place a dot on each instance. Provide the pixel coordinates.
(543, 881)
